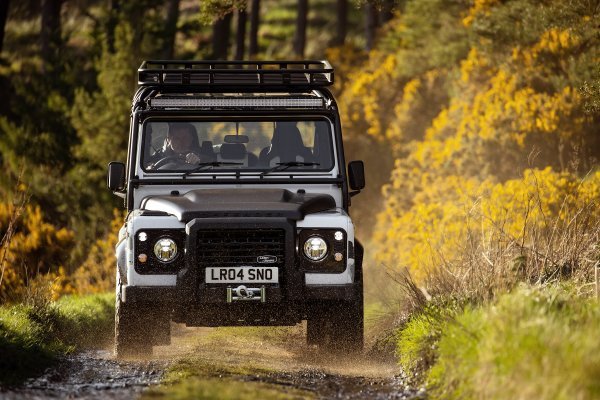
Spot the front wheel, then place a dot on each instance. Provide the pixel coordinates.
(129, 328)
(351, 326)
(337, 327)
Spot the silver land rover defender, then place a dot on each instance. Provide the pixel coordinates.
(238, 198)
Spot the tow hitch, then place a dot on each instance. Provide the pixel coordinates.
(243, 293)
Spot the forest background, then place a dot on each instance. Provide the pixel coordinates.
(478, 121)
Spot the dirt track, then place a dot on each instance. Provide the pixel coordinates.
(96, 374)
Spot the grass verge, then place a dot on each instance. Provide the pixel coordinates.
(535, 342)
(32, 337)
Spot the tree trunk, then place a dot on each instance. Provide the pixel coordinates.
(111, 23)
(50, 39)
(240, 37)
(300, 35)
(135, 16)
(220, 39)
(3, 17)
(387, 11)
(168, 51)
(342, 23)
(254, 21)
(370, 24)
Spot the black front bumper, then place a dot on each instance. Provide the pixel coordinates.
(242, 313)
(168, 295)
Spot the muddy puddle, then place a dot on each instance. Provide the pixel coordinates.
(332, 386)
(98, 375)
(91, 375)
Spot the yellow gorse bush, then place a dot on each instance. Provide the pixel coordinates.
(456, 211)
(489, 152)
(35, 256)
(367, 92)
(497, 111)
(37, 251)
(478, 7)
(555, 41)
(97, 274)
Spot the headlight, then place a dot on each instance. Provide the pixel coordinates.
(315, 248)
(165, 249)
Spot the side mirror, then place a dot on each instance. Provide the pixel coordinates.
(356, 174)
(116, 176)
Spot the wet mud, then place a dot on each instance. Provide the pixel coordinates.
(91, 375)
(332, 386)
(98, 375)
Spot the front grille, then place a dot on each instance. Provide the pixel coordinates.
(235, 247)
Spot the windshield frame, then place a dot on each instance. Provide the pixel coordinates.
(248, 171)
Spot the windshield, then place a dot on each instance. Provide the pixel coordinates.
(208, 146)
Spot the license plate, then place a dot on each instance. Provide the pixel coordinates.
(242, 275)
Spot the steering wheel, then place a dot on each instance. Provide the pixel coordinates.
(165, 160)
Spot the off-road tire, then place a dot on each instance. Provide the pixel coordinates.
(131, 336)
(338, 327)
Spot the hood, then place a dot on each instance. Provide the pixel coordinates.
(214, 203)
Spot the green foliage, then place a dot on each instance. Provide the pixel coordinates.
(417, 342)
(540, 343)
(212, 10)
(502, 25)
(427, 35)
(490, 111)
(62, 125)
(31, 136)
(33, 336)
(101, 118)
(457, 351)
(534, 342)
(35, 134)
(85, 321)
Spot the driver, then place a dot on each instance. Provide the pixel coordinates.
(181, 143)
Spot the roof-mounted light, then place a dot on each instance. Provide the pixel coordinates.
(266, 103)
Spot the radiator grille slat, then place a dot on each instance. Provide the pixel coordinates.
(234, 247)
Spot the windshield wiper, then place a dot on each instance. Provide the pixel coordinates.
(285, 165)
(203, 165)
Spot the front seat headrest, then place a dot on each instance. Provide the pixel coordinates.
(233, 151)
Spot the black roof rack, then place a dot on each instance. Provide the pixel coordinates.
(304, 74)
